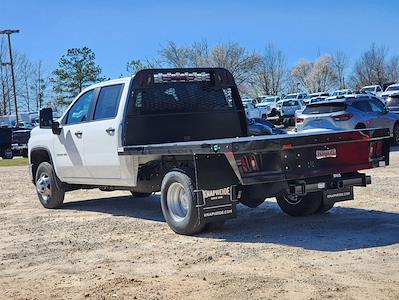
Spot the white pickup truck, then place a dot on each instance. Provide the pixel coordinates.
(184, 132)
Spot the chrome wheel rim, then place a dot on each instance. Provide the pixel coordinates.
(43, 186)
(177, 200)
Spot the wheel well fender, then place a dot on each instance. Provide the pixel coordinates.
(37, 156)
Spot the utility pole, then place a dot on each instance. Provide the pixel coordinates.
(9, 32)
(4, 103)
(8, 102)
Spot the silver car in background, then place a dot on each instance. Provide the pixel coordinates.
(392, 103)
(350, 112)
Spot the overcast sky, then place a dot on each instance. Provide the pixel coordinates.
(118, 31)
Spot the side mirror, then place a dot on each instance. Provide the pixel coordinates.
(46, 118)
(55, 128)
(46, 121)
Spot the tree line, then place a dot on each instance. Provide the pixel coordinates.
(256, 73)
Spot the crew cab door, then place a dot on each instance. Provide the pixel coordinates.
(102, 136)
(68, 146)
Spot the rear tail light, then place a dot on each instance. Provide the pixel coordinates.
(249, 163)
(344, 117)
(299, 120)
(375, 150)
(245, 164)
(254, 164)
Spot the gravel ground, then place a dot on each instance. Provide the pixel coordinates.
(110, 246)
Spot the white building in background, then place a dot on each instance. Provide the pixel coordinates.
(23, 117)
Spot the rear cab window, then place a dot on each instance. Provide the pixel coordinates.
(182, 97)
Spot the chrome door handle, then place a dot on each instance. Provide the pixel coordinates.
(78, 133)
(110, 130)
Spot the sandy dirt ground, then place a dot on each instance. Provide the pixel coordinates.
(110, 246)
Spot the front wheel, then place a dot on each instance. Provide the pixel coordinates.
(50, 189)
(298, 206)
(178, 202)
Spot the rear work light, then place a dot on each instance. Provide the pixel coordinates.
(375, 150)
(344, 117)
(249, 163)
(182, 77)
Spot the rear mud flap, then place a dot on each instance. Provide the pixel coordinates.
(337, 195)
(217, 205)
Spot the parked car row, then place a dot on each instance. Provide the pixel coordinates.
(351, 112)
(282, 109)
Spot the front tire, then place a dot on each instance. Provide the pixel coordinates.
(50, 189)
(298, 206)
(178, 202)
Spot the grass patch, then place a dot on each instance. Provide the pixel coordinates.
(19, 161)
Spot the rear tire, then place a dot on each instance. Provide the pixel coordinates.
(325, 207)
(298, 206)
(395, 133)
(249, 201)
(50, 190)
(178, 202)
(140, 195)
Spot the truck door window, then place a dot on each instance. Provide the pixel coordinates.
(79, 112)
(108, 102)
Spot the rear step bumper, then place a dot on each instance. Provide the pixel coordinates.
(301, 187)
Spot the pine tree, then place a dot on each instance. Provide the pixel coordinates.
(76, 70)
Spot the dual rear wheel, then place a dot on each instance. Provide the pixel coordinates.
(306, 205)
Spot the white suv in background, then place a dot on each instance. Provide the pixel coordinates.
(392, 89)
(270, 104)
(252, 111)
(375, 90)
